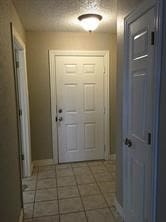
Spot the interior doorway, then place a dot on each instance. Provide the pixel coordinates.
(22, 103)
(80, 105)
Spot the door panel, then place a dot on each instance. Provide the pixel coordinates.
(71, 137)
(90, 135)
(80, 97)
(140, 41)
(139, 92)
(138, 105)
(89, 97)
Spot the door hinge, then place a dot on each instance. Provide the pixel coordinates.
(22, 157)
(20, 112)
(17, 64)
(149, 138)
(152, 38)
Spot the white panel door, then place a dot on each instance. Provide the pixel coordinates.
(139, 90)
(80, 108)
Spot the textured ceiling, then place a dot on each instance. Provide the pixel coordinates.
(61, 15)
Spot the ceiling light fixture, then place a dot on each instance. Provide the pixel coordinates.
(90, 21)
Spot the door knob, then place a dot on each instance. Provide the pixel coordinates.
(128, 142)
(60, 110)
(60, 119)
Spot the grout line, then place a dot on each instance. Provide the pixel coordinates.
(56, 177)
(76, 185)
(99, 187)
(72, 212)
(80, 195)
(35, 192)
(102, 192)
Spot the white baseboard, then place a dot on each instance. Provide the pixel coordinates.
(43, 162)
(119, 209)
(113, 156)
(21, 217)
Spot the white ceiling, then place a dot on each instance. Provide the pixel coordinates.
(61, 15)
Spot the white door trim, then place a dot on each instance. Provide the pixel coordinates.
(52, 56)
(20, 46)
(147, 5)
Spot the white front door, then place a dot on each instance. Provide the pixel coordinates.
(80, 107)
(139, 108)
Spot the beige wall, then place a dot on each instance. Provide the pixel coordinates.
(10, 192)
(38, 44)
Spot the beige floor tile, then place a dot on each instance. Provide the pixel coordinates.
(63, 166)
(70, 205)
(103, 177)
(116, 216)
(28, 196)
(80, 164)
(81, 171)
(35, 171)
(85, 174)
(100, 215)
(109, 162)
(29, 184)
(96, 163)
(46, 168)
(46, 183)
(64, 172)
(94, 202)
(28, 210)
(98, 169)
(113, 175)
(29, 179)
(68, 192)
(66, 181)
(88, 189)
(111, 168)
(46, 219)
(46, 208)
(46, 174)
(46, 194)
(85, 179)
(110, 198)
(107, 187)
(75, 217)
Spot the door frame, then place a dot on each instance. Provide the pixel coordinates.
(143, 8)
(52, 62)
(19, 45)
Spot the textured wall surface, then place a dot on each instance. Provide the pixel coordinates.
(38, 44)
(10, 195)
(124, 8)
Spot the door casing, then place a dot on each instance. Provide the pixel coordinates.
(147, 5)
(20, 47)
(52, 56)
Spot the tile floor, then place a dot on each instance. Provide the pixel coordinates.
(78, 192)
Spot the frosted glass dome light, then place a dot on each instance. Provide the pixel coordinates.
(90, 21)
